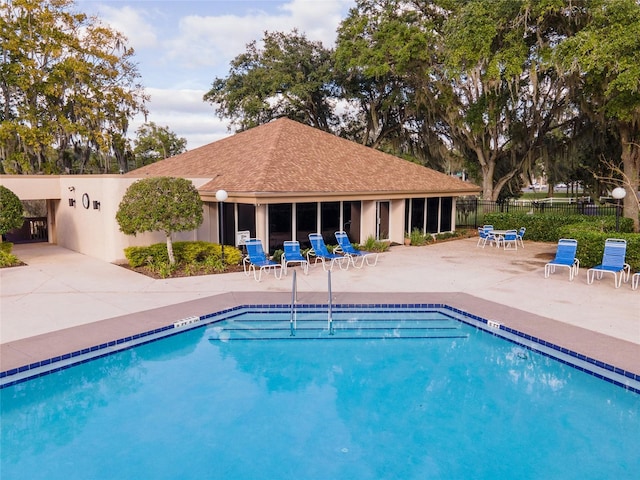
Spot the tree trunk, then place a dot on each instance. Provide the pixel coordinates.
(487, 167)
(631, 170)
(172, 259)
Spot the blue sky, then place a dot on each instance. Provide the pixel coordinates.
(181, 46)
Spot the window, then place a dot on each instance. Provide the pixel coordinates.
(417, 214)
(433, 207)
(247, 218)
(351, 213)
(329, 221)
(306, 222)
(446, 211)
(280, 228)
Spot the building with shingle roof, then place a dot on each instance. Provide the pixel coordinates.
(283, 180)
(284, 169)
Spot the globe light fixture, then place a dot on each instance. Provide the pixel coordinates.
(618, 193)
(221, 196)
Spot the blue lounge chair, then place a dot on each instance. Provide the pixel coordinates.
(293, 255)
(613, 261)
(257, 260)
(565, 257)
(320, 252)
(345, 246)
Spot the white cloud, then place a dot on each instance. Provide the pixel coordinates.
(215, 40)
(130, 22)
(182, 46)
(185, 114)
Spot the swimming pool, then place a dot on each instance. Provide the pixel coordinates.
(417, 392)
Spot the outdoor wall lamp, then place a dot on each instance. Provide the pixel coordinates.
(221, 196)
(618, 193)
(72, 189)
(96, 205)
(72, 202)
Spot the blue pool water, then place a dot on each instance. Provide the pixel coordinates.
(394, 395)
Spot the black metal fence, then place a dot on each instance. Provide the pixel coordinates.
(470, 211)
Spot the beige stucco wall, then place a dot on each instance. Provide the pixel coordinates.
(396, 221)
(368, 219)
(32, 187)
(90, 231)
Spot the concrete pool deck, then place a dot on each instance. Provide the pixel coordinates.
(63, 301)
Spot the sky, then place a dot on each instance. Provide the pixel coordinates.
(182, 46)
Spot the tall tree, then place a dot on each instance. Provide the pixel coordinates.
(160, 204)
(377, 49)
(290, 76)
(477, 75)
(11, 211)
(67, 85)
(153, 143)
(604, 58)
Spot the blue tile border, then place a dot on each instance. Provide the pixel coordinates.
(580, 361)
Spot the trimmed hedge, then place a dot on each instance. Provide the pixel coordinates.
(590, 232)
(184, 252)
(546, 228)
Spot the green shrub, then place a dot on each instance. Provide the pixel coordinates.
(140, 256)
(186, 253)
(190, 252)
(214, 263)
(163, 269)
(6, 247)
(277, 256)
(373, 245)
(8, 259)
(232, 255)
(418, 237)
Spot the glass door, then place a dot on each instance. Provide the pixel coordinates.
(382, 215)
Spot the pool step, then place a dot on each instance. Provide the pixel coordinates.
(317, 329)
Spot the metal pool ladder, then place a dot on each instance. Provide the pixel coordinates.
(294, 299)
(293, 321)
(329, 309)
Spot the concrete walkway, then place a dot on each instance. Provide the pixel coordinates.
(60, 289)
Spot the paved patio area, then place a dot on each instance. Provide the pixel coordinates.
(62, 301)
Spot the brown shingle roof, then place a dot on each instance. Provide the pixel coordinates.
(285, 156)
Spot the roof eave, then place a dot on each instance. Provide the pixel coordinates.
(292, 197)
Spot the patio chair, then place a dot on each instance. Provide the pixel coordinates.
(565, 257)
(293, 255)
(485, 235)
(345, 246)
(257, 260)
(321, 253)
(635, 280)
(520, 236)
(510, 239)
(613, 261)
